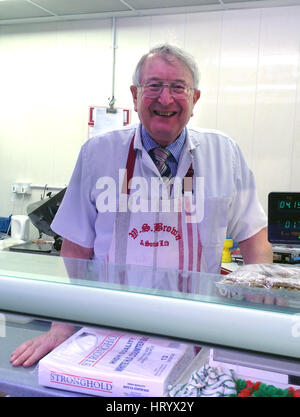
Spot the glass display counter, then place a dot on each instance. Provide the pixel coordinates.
(37, 289)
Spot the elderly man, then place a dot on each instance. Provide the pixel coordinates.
(158, 194)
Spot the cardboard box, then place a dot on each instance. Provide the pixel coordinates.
(107, 363)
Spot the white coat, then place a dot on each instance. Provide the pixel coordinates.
(93, 205)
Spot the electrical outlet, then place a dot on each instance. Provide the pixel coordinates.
(25, 188)
(15, 187)
(21, 188)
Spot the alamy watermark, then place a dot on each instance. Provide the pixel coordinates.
(187, 196)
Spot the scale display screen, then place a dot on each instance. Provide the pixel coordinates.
(284, 218)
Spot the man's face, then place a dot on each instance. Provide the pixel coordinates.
(164, 117)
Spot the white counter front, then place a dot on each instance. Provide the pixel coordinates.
(167, 302)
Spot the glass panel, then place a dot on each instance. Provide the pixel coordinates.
(138, 279)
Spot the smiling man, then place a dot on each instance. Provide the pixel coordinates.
(164, 96)
(217, 183)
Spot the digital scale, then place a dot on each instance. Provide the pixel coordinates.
(284, 226)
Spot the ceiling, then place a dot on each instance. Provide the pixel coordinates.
(31, 11)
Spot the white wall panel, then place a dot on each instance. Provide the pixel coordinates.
(203, 41)
(84, 53)
(295, 160)
(52, 73)
(169, 29)
(26, 128)
(276, 98)
(238, 73)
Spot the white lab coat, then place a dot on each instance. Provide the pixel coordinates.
(228, 198)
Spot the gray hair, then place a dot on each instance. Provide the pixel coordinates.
(165, 51)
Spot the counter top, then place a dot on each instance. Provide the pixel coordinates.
(10, 241)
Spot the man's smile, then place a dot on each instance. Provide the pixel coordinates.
(164, 113)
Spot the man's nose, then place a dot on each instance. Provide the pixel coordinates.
(165, 96)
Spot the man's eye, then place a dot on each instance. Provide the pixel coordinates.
(178, 87)
(154, 86)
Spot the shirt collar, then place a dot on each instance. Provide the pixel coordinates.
(175, 148)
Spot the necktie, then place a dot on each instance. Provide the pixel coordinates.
(160, 156)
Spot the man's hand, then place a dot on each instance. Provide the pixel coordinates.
(33, 350)
(72, 250)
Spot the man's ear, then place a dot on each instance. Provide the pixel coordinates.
(197, 94)
(133, 90)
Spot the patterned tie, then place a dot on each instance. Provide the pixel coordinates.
(160, 156)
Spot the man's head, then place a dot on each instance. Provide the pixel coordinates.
(165, 91)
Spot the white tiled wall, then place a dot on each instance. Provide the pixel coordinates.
(50, 73)
(276, 103)
(203, 40)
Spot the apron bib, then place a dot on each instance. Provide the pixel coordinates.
(156, 239)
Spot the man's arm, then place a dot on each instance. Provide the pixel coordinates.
(257, 249)
(72, 250)
(33, 350)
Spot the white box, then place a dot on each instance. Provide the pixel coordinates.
(113, 363)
